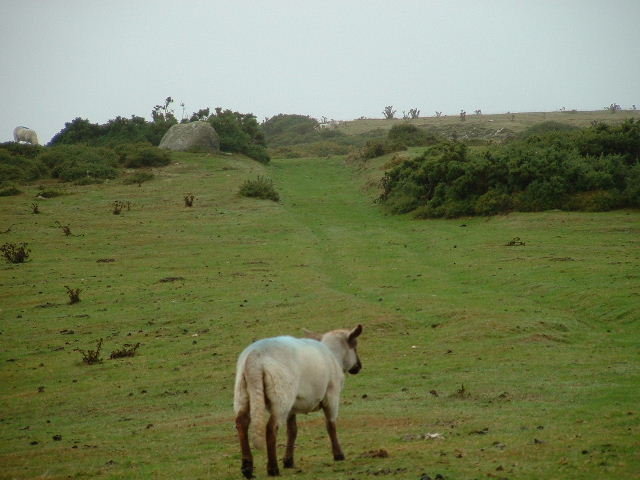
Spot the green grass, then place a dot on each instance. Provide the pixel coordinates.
(544, 337)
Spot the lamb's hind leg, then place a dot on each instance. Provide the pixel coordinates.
(272, 459)
(333, 435)
(292, 432)
(242, 425)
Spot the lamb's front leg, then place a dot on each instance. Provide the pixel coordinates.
(292, 432)
(333, 435)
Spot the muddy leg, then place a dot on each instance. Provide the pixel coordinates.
(331, 429)
(292, 432)
(272, 460)
(242, 425)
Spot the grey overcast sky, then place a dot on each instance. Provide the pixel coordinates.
(343, 59)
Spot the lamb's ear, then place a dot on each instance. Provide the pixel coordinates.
(313, 335)
(355, 333)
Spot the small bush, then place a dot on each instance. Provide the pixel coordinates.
(118, 206)
(137, 178)
(545, 128)
(288, 129)
(408, 134)
(9, 191)
(142, 155)
(127, 350)
(259, 188)
(50, 193)
(15, 253)
(91, 357)
(388, 112)
(66, 229)
(74, 294)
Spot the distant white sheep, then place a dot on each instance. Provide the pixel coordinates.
(287, 376)
(25, 134)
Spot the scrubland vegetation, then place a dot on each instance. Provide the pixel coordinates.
(594, 169)
(494, 346)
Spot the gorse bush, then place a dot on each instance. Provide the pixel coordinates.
(115, 132)
(72, 162)
(545, 128)
(142, 155)
(259, 188)
(14, 253)
(137, 178)
(410, 135)
(597, 168)
(9, 191)
(18, 163)
(289, 129)
(240, 133)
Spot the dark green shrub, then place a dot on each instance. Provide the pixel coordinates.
(240, 133)
(22, 150)
(115, 132)
(492, 202)
(632, 190)
(596, 201)
(410, 135)
(78, 131)
(544, 128)
(72, 162)
(138, 177)
(258, 153)
(287, 129)
(9, 191)
(592, 169)
(260, 188)
(142, 155)
(19, 164)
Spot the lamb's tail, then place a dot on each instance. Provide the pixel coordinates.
(254, 377)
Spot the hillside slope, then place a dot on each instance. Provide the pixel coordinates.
(523, 358)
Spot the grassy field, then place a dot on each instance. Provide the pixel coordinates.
(524, 359)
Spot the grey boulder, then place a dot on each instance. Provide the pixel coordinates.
(194, 136)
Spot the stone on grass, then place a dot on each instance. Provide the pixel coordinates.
(193, 137)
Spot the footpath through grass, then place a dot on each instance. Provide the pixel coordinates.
(522, 359)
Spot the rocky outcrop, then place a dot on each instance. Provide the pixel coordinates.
(193, 137)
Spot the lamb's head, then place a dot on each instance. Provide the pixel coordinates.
(344, 344)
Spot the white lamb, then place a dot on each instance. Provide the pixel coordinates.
(286, 376)
(25, 134)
